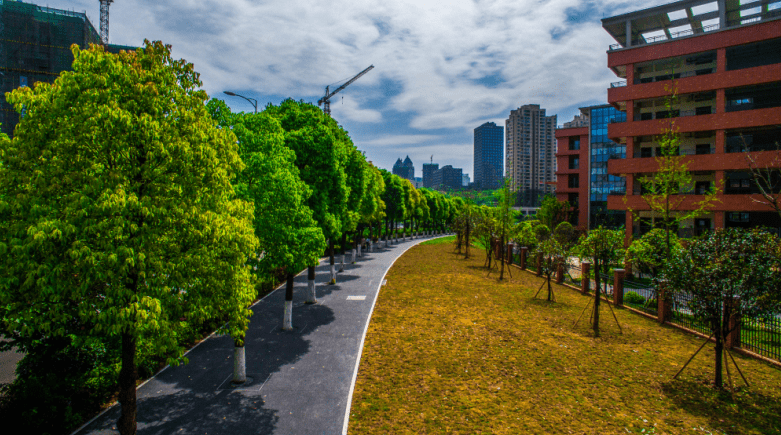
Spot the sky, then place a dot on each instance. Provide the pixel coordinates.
(441, 68)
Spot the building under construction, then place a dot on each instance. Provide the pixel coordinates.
(35, 46)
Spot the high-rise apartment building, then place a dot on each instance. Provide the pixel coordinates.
(447, 177)
(404, 169)
(722, 60)
(428, 173)
(488, 156)
(530, 150)
(35, 46)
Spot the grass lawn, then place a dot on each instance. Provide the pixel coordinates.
(450, 349)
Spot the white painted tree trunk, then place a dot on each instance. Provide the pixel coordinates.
(239, 365)
(341, 265)
(353, 252)
(287, 322)
(371, 246)
(311, 295)
(333, 274)
(360, 254)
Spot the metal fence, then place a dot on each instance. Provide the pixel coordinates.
(762, 336)
(640, 296)
(682, 315)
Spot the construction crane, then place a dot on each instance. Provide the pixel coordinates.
(104, 20)
(326, 100)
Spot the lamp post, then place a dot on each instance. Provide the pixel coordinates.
(252, 101)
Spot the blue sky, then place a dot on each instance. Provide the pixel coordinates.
(442, 68)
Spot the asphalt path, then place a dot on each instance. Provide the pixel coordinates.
(8, 361)
(300, 381)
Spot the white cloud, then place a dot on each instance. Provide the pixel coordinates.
(443, 58)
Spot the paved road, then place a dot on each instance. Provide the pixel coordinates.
(301, 379)
(8, 361)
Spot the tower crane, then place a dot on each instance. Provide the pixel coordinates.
(104, 20)
(326, 100)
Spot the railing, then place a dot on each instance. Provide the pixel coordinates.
(675, 35)
(682, 315)
(644, 297)
(618, 84)
(761, 336)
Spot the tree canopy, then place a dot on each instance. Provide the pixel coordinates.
(117, 214)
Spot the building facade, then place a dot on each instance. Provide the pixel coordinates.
(404, 169)
(35, 46)
(582, 155)
(722, 59)
(428, 174)
(447, 177)
(572, 174)
(530, 149)
(488, 156)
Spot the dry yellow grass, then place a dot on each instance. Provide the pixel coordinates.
(450, 349)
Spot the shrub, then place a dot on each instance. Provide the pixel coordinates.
(633, 298)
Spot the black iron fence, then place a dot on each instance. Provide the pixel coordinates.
(761, 336)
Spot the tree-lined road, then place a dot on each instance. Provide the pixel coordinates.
(300, 381)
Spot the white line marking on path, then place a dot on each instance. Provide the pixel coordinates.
(356, 298)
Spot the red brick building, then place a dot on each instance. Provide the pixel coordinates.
(724, 58)
(572, 172)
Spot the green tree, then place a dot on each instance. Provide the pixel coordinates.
(320, 151)
(649, 253)
(552, 212)
(290, 239)
(663, 190)
(394, 202)
(605, 248)
(117, 215)
(728, 272)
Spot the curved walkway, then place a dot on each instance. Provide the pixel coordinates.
(299, 382)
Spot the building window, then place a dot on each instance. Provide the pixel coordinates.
(574, 181)
(574, 162)
(574, 143)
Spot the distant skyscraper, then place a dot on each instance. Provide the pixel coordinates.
(465, 180)
(530, 150)
(428, 173)
(489, 156)
(447, 178)
(404, 169)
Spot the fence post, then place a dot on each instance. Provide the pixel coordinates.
(585, 281)
(733, 338)
(539, 264)
(524, 253)
(510, 253)
(618, 287)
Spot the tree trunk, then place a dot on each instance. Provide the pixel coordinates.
(311, 294)
(719, 351)
(501, 255)
(550, 292)
(341, 249)
(239, 364)
(331, 260)
(595, 325)
(466, 240)
(287, 321)
(128, 375)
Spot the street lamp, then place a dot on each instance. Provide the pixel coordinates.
(252, 101)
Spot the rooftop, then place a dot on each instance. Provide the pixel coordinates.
(687, 18)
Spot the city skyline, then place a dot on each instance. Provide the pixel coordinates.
(438, 73)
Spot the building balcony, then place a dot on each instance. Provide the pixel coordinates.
(726, 203)
(730, 120)
(695, 83)
(701, 162)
